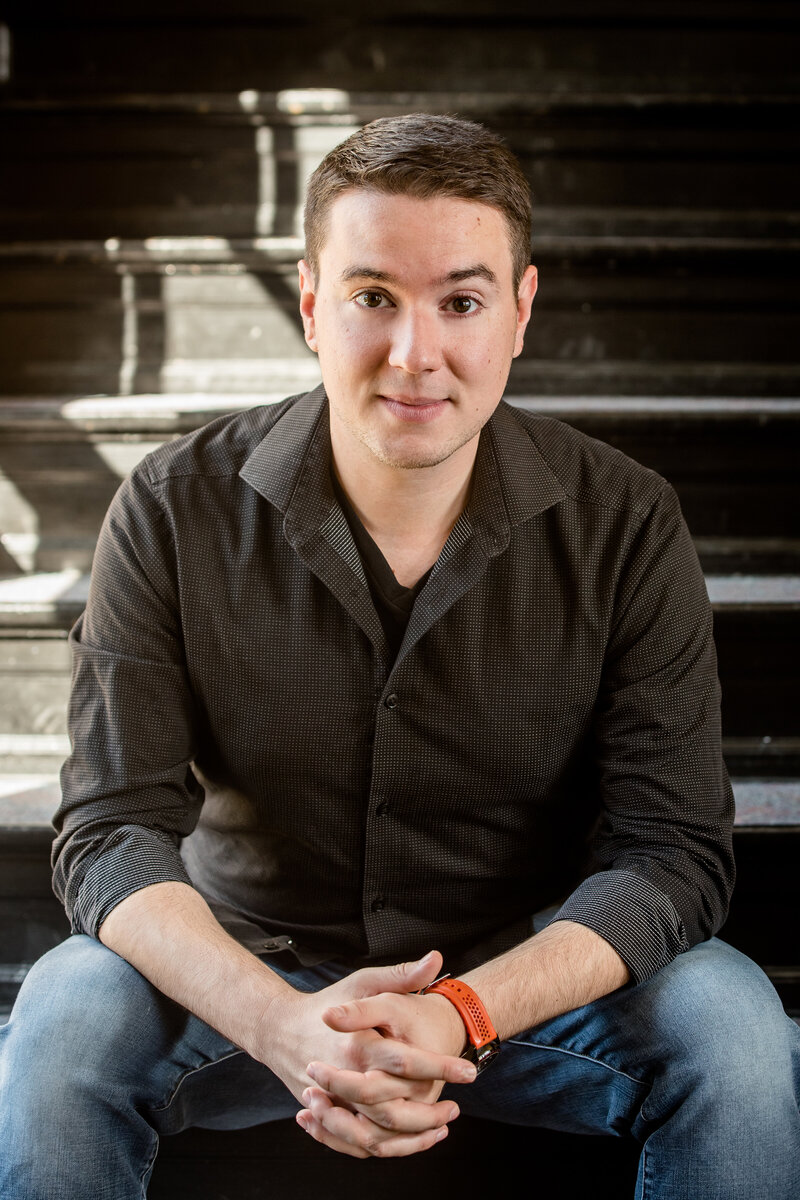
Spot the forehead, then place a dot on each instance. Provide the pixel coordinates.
(372, 228)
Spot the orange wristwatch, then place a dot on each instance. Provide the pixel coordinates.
(484, 1042)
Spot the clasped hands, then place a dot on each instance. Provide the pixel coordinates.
(368, 1058)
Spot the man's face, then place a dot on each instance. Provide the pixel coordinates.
(415, 320)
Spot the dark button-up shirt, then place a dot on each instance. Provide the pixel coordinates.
(547, 733)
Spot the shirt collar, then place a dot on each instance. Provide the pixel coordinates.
(291, 447)
(290, 467)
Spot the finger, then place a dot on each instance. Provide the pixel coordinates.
(399, 977)
(364, 1090)
(356, 1131)
(371, 1012)
(408, 1062)
(406, 1116)
(367, 1087)
(308, 1122)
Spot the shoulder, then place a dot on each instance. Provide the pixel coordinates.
(588, 471)
(218, 449)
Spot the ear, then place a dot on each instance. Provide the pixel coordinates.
(308, 300)
(527, 291)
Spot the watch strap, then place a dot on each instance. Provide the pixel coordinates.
(480, 1030)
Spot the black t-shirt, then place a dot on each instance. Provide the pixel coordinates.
(393, 602)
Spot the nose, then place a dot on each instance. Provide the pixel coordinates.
(416, 342)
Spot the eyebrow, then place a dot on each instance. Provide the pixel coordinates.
(476, 270)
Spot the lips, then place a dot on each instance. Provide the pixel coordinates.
(414, 409)
(414, 401)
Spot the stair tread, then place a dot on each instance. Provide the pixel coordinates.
(334, 103)
(19, 411)
(193, 250)
(43, 592)
(754, 590)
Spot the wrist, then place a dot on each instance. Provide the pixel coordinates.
(454, 1033)
(274, 1020)
(483, 1044)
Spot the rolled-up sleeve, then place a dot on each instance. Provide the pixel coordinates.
(663, 851)
(128, 793)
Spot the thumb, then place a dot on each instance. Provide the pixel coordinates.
(399, 977)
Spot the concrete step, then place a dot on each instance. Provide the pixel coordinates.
(666, 49)
(757, 630)
(631, 315)
(236, 163)
(732, 461)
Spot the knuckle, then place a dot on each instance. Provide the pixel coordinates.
(371, 1094)
(386, 1116)
(393, 1057)
(358, 1056)
(351, 1148)
(365, 1134)
(398, 1062)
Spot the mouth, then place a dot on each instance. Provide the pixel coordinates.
(414, 409)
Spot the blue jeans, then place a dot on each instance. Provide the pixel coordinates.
(700, 1065)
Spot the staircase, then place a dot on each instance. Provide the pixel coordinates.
(150, 214)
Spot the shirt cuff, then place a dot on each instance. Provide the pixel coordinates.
(130, 859)
(633, 916)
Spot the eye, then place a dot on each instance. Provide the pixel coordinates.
(371, 299)
(463, 305)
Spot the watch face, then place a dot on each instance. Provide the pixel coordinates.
(482, 1055)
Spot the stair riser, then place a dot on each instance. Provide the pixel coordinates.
(116, 326)
(488, 49)
(139, 174)
(735, 481)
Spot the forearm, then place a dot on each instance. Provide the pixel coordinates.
(564, 967)
(168, 932)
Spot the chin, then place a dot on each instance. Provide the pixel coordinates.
(414, 458)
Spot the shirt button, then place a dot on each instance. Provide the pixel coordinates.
(391, 701)
(378, 904)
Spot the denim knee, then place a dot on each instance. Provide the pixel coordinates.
(75, 1062)
(723, 1031)
(82, 1014)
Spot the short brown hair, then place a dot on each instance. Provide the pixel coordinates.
(423, 155)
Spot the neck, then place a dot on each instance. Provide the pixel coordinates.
(408, 512)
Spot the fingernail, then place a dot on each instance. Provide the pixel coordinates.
(453, 1114)
(441, 1134)
(311, 1070)
(302, 1120)
(306, 1095)
(468, 1073)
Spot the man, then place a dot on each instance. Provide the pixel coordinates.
(409, 675)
